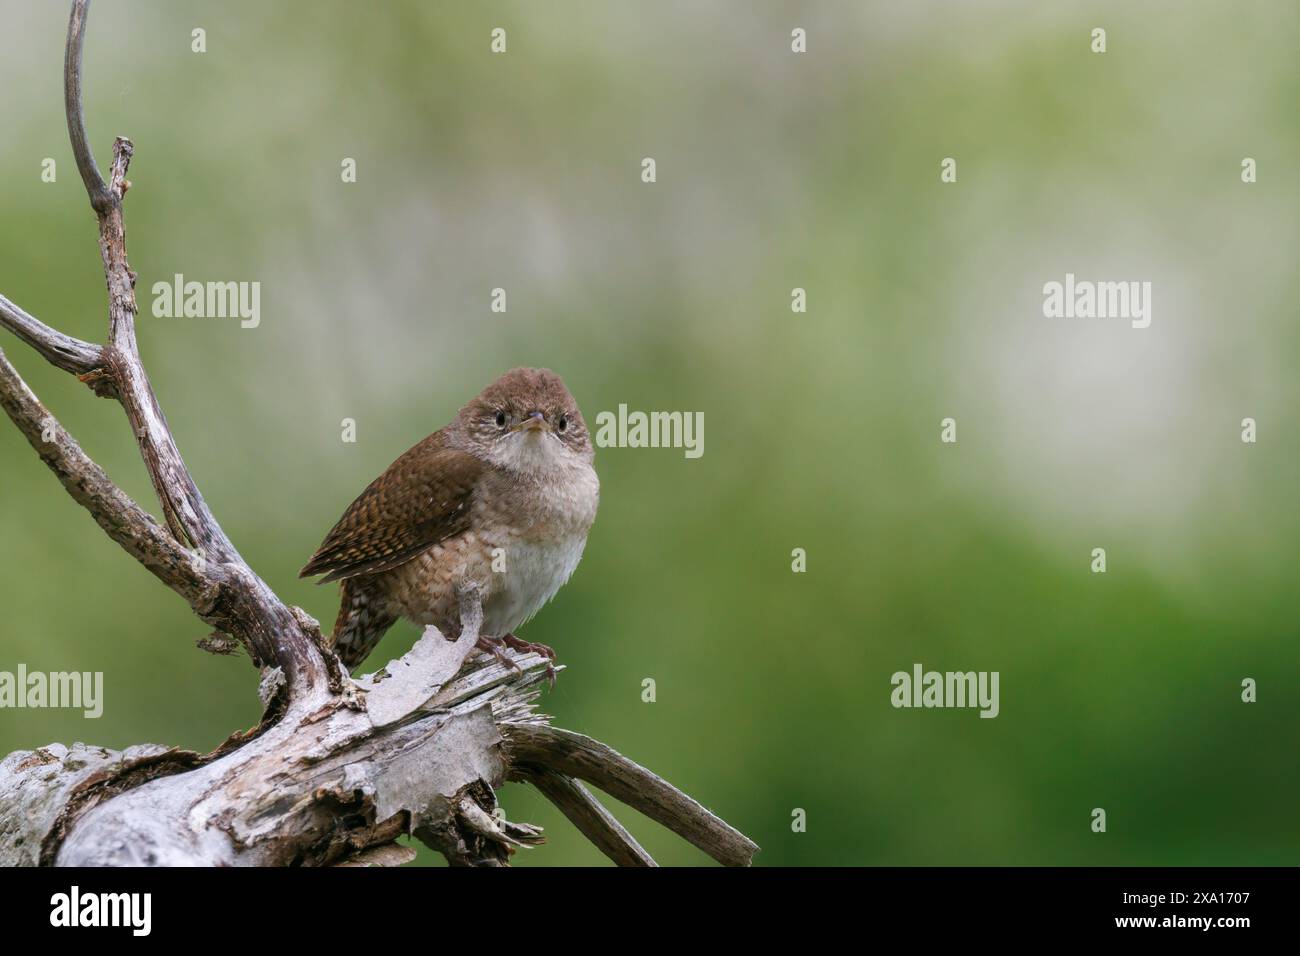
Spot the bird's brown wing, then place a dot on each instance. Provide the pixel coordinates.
(424, 497)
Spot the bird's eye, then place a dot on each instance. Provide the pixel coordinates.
(563, 423)
(501, 419)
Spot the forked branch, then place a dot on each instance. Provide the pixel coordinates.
(338, 768)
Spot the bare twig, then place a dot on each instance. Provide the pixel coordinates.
(121, 518)
(62, 351)
(590, 760)
(90, 175)
(184, 509)
(586, 813)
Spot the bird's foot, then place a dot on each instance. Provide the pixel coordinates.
(519, 644)
(496, 647)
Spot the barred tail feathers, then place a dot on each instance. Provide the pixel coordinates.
(361, 623)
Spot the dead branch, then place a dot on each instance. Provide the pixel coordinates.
(338, 768)
(61, 351)
(567, 753)
(585, 812)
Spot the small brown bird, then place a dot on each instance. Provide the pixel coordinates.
(501, 499)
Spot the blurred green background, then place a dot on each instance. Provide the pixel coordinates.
(775, 170)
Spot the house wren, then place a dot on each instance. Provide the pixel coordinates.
(500, 501)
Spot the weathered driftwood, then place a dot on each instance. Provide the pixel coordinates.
(338, 768)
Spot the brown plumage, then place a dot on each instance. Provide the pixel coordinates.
(501, 497)
(421, 499)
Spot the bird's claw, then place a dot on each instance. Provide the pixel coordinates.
(520, 644)
(493, 645)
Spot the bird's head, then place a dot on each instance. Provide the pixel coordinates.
(526, 421)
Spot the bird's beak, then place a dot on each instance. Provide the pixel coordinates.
(535, 422)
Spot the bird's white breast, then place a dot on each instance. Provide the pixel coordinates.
(535, 570)
(540, 552)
